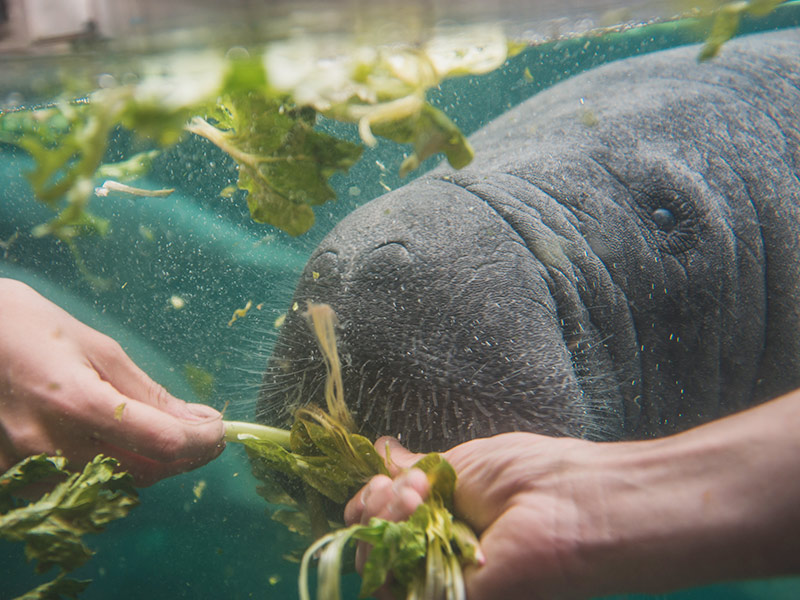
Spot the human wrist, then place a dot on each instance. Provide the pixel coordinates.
(689, 509)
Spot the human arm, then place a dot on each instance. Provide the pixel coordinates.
(67, 388)
(574, 519)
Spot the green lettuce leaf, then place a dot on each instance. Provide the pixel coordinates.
(726, 22)
(85, 502)
(58, 588)
(284, 163)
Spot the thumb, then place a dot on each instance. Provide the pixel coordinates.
(395, 455)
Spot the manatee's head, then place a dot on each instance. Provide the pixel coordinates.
(597, 272)
(448, 328)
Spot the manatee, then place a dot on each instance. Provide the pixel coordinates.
(620, 261)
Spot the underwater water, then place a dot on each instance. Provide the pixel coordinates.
(204, 248)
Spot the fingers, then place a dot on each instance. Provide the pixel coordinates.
(113, 365)
(144, 430)
(389, 499)
(382, 497)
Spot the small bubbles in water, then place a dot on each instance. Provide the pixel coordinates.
(106, 80)
(237, 53)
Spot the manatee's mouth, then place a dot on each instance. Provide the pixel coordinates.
(450, 329)
(427, 399)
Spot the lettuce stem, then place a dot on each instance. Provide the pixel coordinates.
(236, 431)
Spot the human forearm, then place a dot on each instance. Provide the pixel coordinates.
(714, 503)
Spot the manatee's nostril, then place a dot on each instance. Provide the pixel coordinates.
(324, 265)
(391, 253)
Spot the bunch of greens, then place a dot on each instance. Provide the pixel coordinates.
(316, 467)
(52, 527)
(260, 107)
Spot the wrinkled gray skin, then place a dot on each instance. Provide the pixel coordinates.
(621, 260)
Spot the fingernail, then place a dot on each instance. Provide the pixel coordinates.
(480, 557)
(201, 412)
(362, 497)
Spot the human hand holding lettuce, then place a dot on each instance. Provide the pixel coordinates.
(568, 518)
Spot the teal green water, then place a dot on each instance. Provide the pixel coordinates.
(206, 250)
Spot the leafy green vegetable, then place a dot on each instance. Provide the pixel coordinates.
(424, 554)
(52, 527)
(260, 107)
(284, 164)
(316, 467)
(430, 131)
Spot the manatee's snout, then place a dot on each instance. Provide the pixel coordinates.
(448, 329)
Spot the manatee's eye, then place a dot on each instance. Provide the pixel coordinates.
(664, 219)
(672, 215)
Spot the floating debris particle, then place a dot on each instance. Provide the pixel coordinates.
(118, 411)
(280, 320)
(228, 191)
(589, 118)
(116, 186)
(5, 245)
(274, 579)
(240, 313)
(177, 302)
(146, 233)
(528, 75)
(315, 275)
(200, 380)
(199, 488)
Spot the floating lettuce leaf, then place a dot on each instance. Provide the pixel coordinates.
(200, 380)
(259, 106)
(726, 22)
(52, 527)
(66, 142)
(84, 503)
(134, 167)
(382, 89)
(58, 588)
(430, 131)
(284, 164)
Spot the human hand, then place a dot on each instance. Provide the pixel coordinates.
(520, 492)
(66, 388)
(567, 518)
